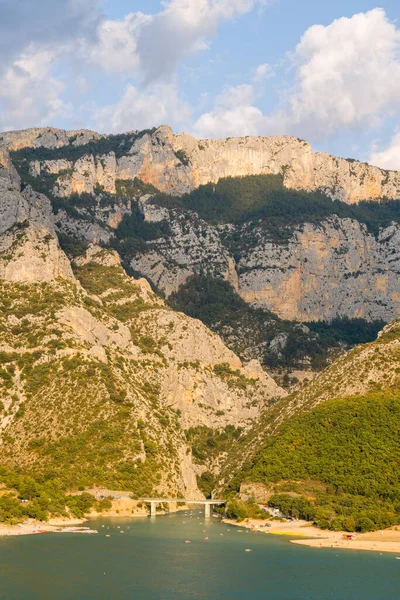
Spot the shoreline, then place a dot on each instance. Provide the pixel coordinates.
(300, 532)
(123, 508)
(304, 534)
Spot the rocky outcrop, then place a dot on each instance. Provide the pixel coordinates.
(95, 350)
(322, 270)
(315, 271)
(335, 268)
(177, 164)
(46, 137)
(29, 250)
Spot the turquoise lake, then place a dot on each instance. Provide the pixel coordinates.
(151, 561)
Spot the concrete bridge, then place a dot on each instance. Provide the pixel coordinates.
(207, 503)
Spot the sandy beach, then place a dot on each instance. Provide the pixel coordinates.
(123, 506)
(32, 527)
(305, 534)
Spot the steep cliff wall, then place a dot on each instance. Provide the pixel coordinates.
(95, 366)
(177, 164)
(336, 266)
(322, 270)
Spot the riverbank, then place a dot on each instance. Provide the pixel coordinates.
(33, 527)
(305, 534)
(123, 506)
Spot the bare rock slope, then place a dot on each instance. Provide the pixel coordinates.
(98, 378)
(179, 163)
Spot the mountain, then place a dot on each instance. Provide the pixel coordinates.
(178, 164)
(302, 238)
(330, 452)
(255, 248)
(101, 382)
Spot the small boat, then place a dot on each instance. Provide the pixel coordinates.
(205, 539)
(248, 550)
(188, 542)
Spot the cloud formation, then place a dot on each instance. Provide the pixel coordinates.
(144, 47)
(388, 158)
(41, 23)
(342, 76)
(234, 115)
(347, 74)
(182, 28)
(29, 94)
(142, 109)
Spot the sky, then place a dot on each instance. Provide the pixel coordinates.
(327, 72)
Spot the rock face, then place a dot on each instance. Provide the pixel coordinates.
(177, 164)
(29, 250)
(321, 270)
(47, 137)
(366, 368)
(334, 268)
(93, 350)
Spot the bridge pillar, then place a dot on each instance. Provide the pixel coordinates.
(153, 509)
(207, 511)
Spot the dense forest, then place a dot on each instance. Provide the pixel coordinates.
(265, 198)
(338, 465)
(242, 327)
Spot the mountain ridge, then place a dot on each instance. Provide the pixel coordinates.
(204, 161)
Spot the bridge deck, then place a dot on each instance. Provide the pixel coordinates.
(163, 500)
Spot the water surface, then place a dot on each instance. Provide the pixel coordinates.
(151, 561)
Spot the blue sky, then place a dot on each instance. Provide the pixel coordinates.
(325, 72)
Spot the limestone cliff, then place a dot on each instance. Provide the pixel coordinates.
(95, 367)
(322, 270)
(337, 266)
(177, 164)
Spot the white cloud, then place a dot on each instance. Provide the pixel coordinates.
(234, 115)
(140, 109)
(115, 48)
(388, 158)
(347, 74)
(152, 45)
(264, 71)
(182, 28)
(234, 97)
(29, 95)
(45, 24)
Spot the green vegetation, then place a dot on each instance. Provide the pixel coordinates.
(348, 331)
(133, 188)
(233, 377)
(42, 498)
(119, 143)
(206, 483)
(74, 416)
(208, 443)
(243, 328)
(182, 157)
(351, 447)
(72, 246)
(264, 199)
(97, 279)
(240, 510)
(134, 232)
